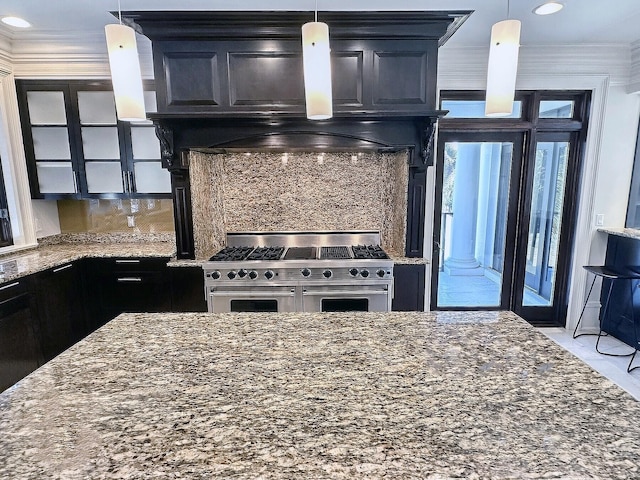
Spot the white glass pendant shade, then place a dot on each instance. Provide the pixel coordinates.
(125, 72)
(502, 69)
(317, 70)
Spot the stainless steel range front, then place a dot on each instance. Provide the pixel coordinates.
(300, 272)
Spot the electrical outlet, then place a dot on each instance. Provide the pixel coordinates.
(131, 221)
(599, 219)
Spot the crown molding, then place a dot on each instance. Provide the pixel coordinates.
(57, 60)
(466, 67)
(51, 56)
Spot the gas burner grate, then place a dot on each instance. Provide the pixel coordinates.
(369, 251)
(334, 253)
(228, 254)
(266, 253)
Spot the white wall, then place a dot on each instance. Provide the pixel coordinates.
(47, 221)
(606, 71)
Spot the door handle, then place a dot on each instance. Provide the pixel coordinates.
(59, 269)
(11, 285)
(129, 279)
(132, 187)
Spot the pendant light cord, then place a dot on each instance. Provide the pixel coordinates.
(119, 13)
(508, 8)
(316, 17)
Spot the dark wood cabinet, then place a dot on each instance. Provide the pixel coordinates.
(60, 305)
(408, 287)
(128, 285)
(222, 62)
(187, 289)
(76, 148)
(20, 350)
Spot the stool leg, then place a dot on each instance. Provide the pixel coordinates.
(629, 369)
(583, 309)
(603, 316)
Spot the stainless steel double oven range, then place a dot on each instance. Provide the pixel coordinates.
(300, 272)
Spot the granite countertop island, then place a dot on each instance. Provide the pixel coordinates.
(325, 395)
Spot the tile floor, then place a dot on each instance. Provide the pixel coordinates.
(614, 368)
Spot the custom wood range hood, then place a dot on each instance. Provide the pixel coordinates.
(233, 81)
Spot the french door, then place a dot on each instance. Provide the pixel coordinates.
(504, 222)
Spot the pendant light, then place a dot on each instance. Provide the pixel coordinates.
(503, 67)
(317, 69)
(126, 76)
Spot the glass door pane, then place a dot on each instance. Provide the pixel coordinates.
(475, 206)
(547, 201)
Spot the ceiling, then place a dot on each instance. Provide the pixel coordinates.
(78, 25)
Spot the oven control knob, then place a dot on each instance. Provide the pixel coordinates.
(364, 273)
(215, 275)
(268, 274)
(242, 273)
(353, 272)
(327, 274)
(380, 273)
(305, 272)
(253, 274)
(231, 275)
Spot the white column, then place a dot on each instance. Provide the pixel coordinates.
(461, 260)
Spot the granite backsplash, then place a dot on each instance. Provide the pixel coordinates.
(298, 192)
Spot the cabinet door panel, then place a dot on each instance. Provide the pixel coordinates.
(51, 143)
(20, 352)
(187, 289)
(104, 177)
(56, 177)
(144, 143)
(97, 108)
(46, 108)
(100, 143)
(60, 308)
(150, 177)
(408, 288)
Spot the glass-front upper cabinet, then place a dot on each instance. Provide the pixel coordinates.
(76, 147)
(101, 150)
(48, 140)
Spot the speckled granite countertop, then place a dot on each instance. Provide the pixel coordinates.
(310, 396)
(397, 260)
(622, 232)
(34, 260)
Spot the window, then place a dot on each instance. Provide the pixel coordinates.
(474, 108)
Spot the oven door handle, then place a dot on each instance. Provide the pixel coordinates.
(227, 293)
(344, 292)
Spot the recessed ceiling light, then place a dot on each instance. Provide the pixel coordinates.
(16, 22)
(548, 8)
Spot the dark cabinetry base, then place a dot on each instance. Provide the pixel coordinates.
(408, 288)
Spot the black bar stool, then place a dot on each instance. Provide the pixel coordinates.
(613, 274)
